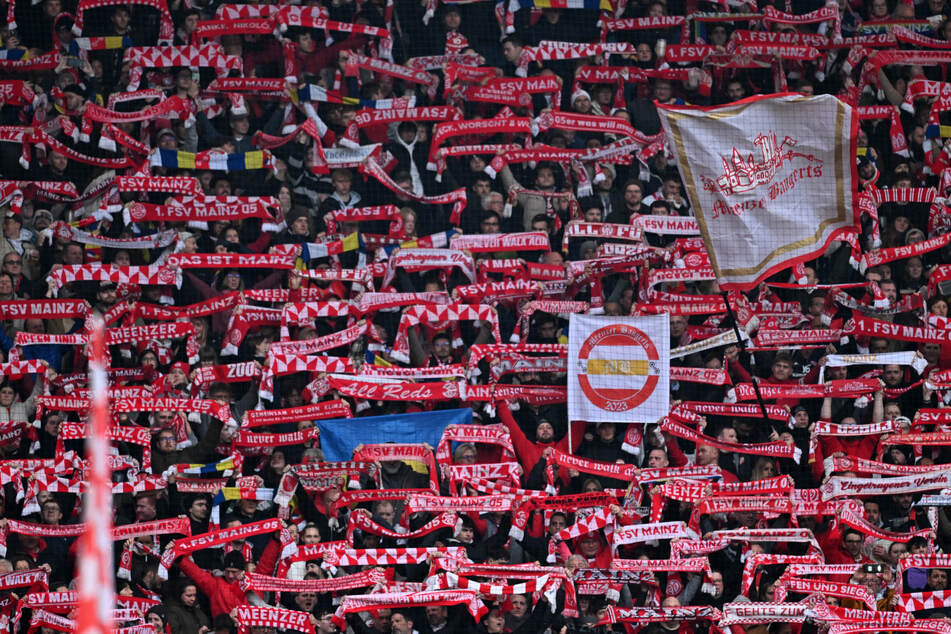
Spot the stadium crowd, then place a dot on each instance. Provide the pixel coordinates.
(293, 214)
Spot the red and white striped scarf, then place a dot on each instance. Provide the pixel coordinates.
(362, 522)
(97, 272)
(450, 312)
(391, 556)
(776, 449)
(255, 582)
(399, 600)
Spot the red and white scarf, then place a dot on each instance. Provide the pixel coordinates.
(248, 616)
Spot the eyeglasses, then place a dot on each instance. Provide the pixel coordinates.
(11, 262)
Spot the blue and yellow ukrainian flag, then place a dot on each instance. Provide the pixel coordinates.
(603, 5)
(208, 469)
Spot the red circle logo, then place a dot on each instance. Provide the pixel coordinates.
(619, 367)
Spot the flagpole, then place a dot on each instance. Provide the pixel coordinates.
(740, 342)
(94, 564)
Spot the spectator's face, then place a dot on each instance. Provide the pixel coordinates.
(52, 513)
(633, 194)
(557, 524)
(904, 501)
(877, 346)
(409, 224)
(466, 456)
(306, 42)
(189, 596)
(727, 434)
(545, 178)
(399, 624)
(873, 513)
(643, 52)
(156, 622)
(892, 375)
(879, 8)
(145, 509)
(490, 225)
(782, 370)
(890, 290)
(606, 431)
(452, 21)
(802, 419)
(590, 545)
(199, 510)
(6, 396)
(509, 50)
(107, 296)
(306, 600)
(73, 254)
(582, 104)
(120, 19)
(734, 91)
(299, 226)
(341, 184)
(892, 411)
(853, 543)
(232, 281)
(545, 432)
(548, 330)
(442, 348)
(678, 326)
(436, 614)
(232, 575)
(166, 442)
(494, 623)
(520, 605)
(310, 536)
(938, 579)
(592, 215)
(931, 352)
(58, 162)
(707, 455)
(386, 512)
(52, 8)
(657, 459)
(896, 552)
(663, 91)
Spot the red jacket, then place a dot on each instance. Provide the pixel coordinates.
(222, 595)
(528, 452)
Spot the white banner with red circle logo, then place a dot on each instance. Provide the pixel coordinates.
(618, 368)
